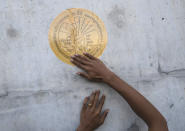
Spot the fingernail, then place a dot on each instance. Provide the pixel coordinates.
(72, 60)
(78, 73)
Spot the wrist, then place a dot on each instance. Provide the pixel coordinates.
(109, 77)
(83, 128)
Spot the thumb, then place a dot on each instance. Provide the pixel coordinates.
(83, 74)
(103, 116)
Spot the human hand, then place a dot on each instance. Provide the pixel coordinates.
(91, 117)
(95, 69)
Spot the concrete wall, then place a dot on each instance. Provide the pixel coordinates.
(146, 47)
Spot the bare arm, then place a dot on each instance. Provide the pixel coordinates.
(139, 104)
(95, 70)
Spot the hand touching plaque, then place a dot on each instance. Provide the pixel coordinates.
(76, 31)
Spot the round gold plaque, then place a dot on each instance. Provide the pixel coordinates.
(76, 31)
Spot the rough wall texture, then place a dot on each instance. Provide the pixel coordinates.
(146, 47)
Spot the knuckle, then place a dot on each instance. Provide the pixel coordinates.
(92, 111)
(78, 64)
(85, 100)
(86, 76)
(91, 73)
(90, 78)
(78, 58)
(101, 122)
(93, 62)
(95, 59)
(96, 113)
(85, 67)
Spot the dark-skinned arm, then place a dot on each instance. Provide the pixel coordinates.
(95, 70)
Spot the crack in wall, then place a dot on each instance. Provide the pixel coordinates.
(33, 93)
(4, 95)
(169, 72)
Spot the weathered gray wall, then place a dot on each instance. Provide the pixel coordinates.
(146, 47)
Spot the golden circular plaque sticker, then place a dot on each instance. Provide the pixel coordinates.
(76, 31)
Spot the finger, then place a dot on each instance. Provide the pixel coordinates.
(78, 64)
(91, 100)
(103, 116)
(85, 103)
(84, 58)
(96, 98)
(89, 56)
(80, 59)
(83, 74)
(101, 103)
(98, 78)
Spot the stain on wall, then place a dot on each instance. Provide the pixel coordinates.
(12, 33)
(133, 127)
(117, 16)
